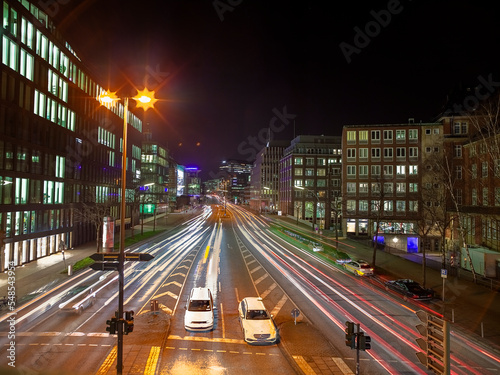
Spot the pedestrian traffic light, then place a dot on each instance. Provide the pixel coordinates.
(350, 337)
(364, 342)
(111, 325)
(128, 325)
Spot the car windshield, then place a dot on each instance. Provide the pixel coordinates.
(414, 288)
(199, 305)
(365, 266)
(257, 315)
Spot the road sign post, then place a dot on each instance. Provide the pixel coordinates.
(295, 315)
(115, 262)
(444, 275)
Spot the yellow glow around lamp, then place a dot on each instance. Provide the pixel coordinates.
(145, 99)
(108, 98)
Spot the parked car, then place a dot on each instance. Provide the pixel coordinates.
(256, 322)
(199, 310)
(359, 268)
(409, 289)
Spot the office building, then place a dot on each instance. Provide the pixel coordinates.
(60, 151)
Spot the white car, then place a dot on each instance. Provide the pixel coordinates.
(359, 268)
(256, 322)
(199, 310)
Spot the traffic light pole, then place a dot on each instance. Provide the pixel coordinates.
(357, 347)
(121, 255)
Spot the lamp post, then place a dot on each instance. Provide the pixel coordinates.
(145, 99)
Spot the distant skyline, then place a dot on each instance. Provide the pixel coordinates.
(228, 72)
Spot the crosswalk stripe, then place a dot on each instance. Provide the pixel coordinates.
(342, 366)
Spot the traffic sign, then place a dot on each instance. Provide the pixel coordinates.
(104, 266)
(143, 257)
(444, 273)
(129, 257)
(99, 257)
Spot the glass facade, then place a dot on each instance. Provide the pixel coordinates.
(59, 149)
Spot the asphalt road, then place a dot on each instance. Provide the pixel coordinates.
(236, 257)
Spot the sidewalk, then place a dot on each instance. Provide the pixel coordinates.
(471, 307)
(35, 277)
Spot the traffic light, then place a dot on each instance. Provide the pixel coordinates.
(364, 342)
(111, 325)
(128, 325)
(435, 342)
(350, 337)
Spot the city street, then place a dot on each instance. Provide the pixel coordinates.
(236, 256)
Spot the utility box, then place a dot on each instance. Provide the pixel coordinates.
(484, 260)
(108, 234)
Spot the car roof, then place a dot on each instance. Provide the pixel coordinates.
(254, 303)
(200, 294)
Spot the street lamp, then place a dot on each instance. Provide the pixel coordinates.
(145, 99)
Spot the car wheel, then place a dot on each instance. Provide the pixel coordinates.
(80, 310)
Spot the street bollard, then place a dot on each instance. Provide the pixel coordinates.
(70, 270)
(154, 305)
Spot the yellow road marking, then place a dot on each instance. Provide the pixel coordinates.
(106, 365)
(222, 319)
(304, 366)
(154, 353)
(206, 253)
(206, 339)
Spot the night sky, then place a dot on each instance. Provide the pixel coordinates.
(225, 70)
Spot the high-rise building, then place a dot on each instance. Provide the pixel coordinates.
(264, 180)
(310, 179)
(60, 151)
(154, 176)
(236, 175)
(193, 181)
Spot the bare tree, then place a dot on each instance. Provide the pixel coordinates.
(484, 155)
(449, 177)
(94, 214)
(376, 212)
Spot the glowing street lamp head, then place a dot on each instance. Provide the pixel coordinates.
(145, 99)
(108, 98)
